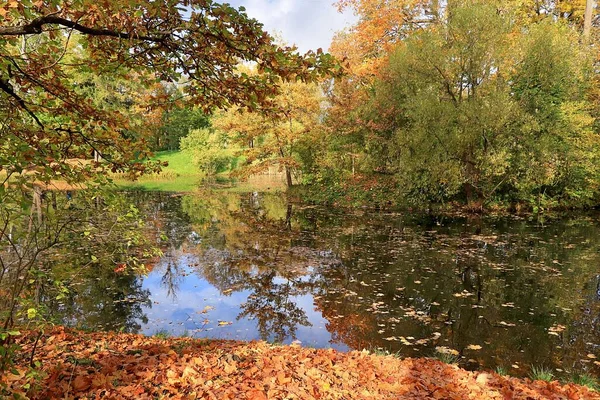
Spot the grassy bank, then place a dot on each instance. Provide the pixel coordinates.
(181, 174)
(74, 364)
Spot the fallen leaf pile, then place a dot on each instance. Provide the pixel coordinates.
(123, 366)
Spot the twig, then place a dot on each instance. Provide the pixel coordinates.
(70, 378)
(35, 347)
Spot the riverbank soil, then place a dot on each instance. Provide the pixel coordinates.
(75, 364)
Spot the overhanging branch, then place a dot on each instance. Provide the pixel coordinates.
(36, 26)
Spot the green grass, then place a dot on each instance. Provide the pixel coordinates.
(162, 334)
(585, 379)
(501, 371)
(541, 374)
(378, 351)
(445, 355)
(181, 175)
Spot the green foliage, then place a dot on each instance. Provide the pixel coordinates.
(162, 334)
(479, 107)
(212, 150)
(541, 374)
(176, 125)
(585, 379)
(556, 157)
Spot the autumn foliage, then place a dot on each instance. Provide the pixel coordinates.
(47, 45)
(122, 366)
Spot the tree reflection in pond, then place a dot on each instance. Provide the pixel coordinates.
(89, 276)
(501, 291)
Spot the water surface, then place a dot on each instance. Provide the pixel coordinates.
(501, 292)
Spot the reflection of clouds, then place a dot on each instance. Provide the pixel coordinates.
(184, 313)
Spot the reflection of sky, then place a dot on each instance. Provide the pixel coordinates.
(184, 313)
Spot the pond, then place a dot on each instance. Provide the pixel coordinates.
(497, 291)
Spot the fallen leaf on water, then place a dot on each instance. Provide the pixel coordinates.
(205, 310)
(474, 347)
(446, 350)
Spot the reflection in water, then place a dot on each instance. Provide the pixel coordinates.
(87, 245)
(501, 291)
(271, 304)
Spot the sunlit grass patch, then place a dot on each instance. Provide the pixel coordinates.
(541, 374)
(378, 351)
(181, 175)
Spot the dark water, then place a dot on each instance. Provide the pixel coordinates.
(500, 292)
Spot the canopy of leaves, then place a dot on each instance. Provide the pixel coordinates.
(281, 138)
(43, 44)
(467, 100)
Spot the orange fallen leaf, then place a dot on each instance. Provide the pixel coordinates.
(81, 383)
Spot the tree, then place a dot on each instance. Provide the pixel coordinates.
(45, 121)
(272, 139)
(365, 49)
(484, 102)
(81, 77)
(557, 154)
(450, 108)
(176, 124)
(587, 25)
(212, 150)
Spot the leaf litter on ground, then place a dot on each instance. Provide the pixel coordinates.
(128, 366)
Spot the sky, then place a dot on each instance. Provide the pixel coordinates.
(309, 24)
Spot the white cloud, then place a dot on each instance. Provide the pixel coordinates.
(309, 24)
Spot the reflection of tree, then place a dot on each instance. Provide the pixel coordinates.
(273, 306)
(103, 300)
(171, 277)
(90, 278)
(272, 295)
(247, 245)
(502, 286)
(477, 277)
(163, 211)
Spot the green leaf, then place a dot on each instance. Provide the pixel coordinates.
(31, 313)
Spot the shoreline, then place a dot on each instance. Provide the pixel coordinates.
(75, 364)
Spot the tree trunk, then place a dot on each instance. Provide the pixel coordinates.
(288, 176)
(587, 22)
(435, 9)
(288, 217)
